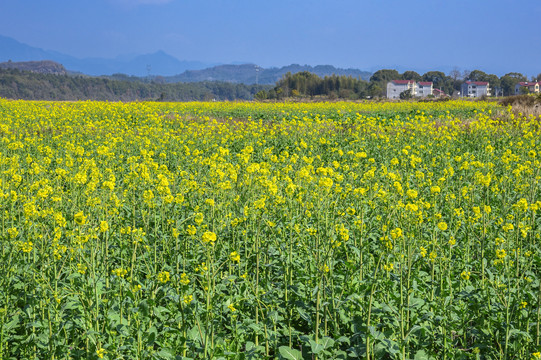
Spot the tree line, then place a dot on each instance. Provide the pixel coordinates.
(17, 84)
(306, 84)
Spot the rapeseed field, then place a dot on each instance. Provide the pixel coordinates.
(264, 231)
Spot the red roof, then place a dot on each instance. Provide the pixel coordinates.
(425, 83)
(479, 83)
(529, 83)
(403, 82)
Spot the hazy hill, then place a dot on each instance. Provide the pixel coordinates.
(251, 74)
(40, 67)
(159, 63)
(165, 67)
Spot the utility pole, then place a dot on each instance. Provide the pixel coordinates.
(256, 75)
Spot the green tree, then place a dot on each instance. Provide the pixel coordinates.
(411, 75)
(374, 90)
(406, 94)
(477, 75)
(385, 76)
(509, 81)
(440, 81)
(261, 95)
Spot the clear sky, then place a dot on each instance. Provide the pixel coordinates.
(496, 36)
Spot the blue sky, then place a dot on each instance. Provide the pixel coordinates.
(496, 36)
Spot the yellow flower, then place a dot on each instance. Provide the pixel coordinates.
(188, 299)
(13, 232)
(27, 246)
(79, 218)
(209, 237)
(412, 194)
(163, 277)
(184, 280)
(234, 256)
(260, 204)
(199, 218)
(325, 182)
(442, 226)
(231, 307)
(396, 233)
(101, 352)
(191, 230)
(104, 226)
(465, 275)
(120, 272)
(81, 268)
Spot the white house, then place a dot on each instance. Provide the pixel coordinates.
(475, 89)
(531, 86)
(424, 88)
(396, 87)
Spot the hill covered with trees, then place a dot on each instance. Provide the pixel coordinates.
(17, 84)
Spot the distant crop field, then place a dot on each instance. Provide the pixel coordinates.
(269, 231)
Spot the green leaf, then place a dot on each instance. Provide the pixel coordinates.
(289, 353)
(167, 353)
(143, 308)
(327, 342)
(12, 324)
(316, 348)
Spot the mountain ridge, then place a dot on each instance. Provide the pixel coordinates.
(164, 67)
(160, 62)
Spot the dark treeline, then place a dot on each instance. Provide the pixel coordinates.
(16, 84)
(305, 84)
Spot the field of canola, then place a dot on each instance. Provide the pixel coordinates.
(269, 231)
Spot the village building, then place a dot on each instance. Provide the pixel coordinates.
(527, 86)
(475, 89)
(417, 89)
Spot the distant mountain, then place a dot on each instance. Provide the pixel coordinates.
(158, 63)
(165, 67)
(11, 49)
(252, 74)
(40, 67)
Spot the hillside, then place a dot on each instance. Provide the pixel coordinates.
(164, 67)
(40, 67)
(26, 85)
(252, 74)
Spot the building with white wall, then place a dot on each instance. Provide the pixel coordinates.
(475, 89)
(418, 89)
